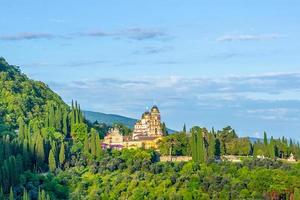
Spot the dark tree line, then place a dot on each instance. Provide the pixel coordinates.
(204, 145)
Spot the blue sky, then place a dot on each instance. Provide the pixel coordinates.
(208, 63)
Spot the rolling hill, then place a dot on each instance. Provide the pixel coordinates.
(109, 118)
(21, 97)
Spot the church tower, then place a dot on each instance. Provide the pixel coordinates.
(149, 125)
(155, 124)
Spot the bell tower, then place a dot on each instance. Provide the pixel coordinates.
(155, 124)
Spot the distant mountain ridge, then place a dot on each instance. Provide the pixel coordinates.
(110, 119)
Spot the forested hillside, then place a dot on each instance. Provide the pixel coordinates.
(38, 133)
(21, 97)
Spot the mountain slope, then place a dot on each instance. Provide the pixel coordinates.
(109, 118)
(21, 96)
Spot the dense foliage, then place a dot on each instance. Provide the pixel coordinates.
(135, 174)
(22, 97)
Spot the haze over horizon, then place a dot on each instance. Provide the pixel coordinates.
(203, 63)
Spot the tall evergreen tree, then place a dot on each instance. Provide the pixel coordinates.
(164, 129)
(265, 139)
(52, 161)
(184, 128)
(211, 146)
(41, 195)
(198, 148)
(65, 123)
(77, 113)
(80, 115)
(26, 154)
(86, 146)
(98, 146)
(25, 195)
(218, 147)
(62, 156)
(194, 144)
(11, 194)
(271, 148)
(47, 124)
(40, 151)
(51, 116)
(201, 147)
(93, 142)
(1, 193)
(21, 132)
(58, 119)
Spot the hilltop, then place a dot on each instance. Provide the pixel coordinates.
(21, 97)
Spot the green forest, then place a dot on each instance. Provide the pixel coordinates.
(48, 150)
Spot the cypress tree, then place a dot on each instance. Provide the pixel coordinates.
(53, 147)
(86, 146)
(80, 115)
(25, 195)
(265, 139)
(93, 142)
(47, 120)
(12, 170)
(52, 117)
(58, 119)
(164, 129)
(272, 153)
(51, 161)
(211, 146)
(5, 175)
(21, 128)
(26, 155)
(1, 194)
(213, 131)
(26, 132)
(218, 147)
(76, 113)
(7, 146)
(184, 128)
(39, 150)
(72, 104)
(98, 146)
(62, 154)
(194, 144)
(200, 146)
(42, 195)
(36, 128)
(65, 123)
(11, 194)
(265, 147)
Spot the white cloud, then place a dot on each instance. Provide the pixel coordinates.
(248, 37)
(268, 102)
(27, 36)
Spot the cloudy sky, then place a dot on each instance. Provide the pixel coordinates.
(207, 63)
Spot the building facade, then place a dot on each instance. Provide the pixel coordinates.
(149, 124)
(147, 133)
